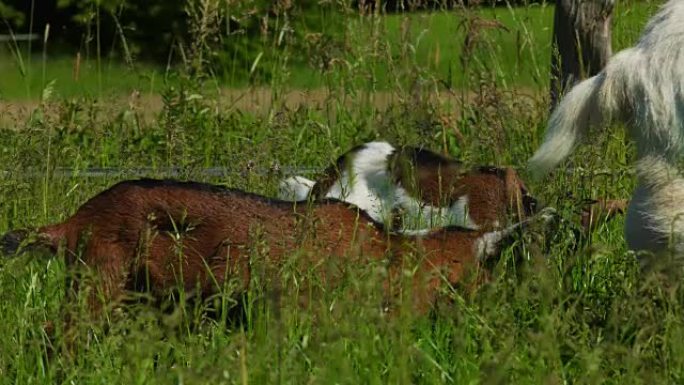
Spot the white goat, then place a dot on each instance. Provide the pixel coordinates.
(642, 87)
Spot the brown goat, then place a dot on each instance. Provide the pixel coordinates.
(157, 235)
(415, 188)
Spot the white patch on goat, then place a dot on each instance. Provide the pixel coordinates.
(488, 244)
(365, 183)
(419, 214)
(457, 214)
(295, 188)
(414, 232)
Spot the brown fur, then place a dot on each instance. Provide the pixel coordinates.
(441, 181)
(428, 175)
(601, 210)
(492, 192)
(131, 234)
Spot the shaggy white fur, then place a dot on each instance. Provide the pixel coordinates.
(655, 216)
(366, 183)
(642, 86)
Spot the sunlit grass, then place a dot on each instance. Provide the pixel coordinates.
(70, 77)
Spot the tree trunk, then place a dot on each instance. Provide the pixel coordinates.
(581, 42)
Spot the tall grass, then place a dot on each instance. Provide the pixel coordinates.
(574, 310)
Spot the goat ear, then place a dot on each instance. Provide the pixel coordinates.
(595, 210)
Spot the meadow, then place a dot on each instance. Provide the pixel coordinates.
(573, 308)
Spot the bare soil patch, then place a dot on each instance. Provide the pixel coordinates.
(252, 100)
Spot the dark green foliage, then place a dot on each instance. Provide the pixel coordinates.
(236, 33)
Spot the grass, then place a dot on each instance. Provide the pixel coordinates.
(111, 79)
(575, 310)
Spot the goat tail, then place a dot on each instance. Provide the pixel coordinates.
(579, 110)
(15, 242)
(592, 102)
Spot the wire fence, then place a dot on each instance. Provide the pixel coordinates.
(19, 37)
(176, 172)
(109, 172)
